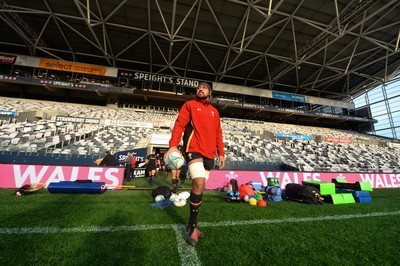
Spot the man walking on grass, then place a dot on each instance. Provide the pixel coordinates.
(202, 140)
(151, 162)
(128, 166)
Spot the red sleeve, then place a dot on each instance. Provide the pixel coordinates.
(180, 125)
(220, 144)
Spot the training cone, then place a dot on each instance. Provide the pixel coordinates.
(262, 203)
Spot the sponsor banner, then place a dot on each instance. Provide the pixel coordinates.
(293, 111)
(7, 59)
(252, 106)
(72, 67)
(160, 139)
(329, 115)
(76, 85)
(339, 140)
(288, 97)
(8, 113)
(394, 145)
(31, 61)
(239, 132)
(17, 175)
(140, 155)
(112, 122)
(158, 78)
(60, 83)
(25, 60)
(293, 136)
(66, 84)
(94, 86)
(139, 172)
(163, 123)
(78, 120)
(111, 72)
(8, 77)
(219, 178)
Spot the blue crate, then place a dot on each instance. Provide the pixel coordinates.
(256, 185)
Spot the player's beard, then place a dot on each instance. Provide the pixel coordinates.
(202, 97)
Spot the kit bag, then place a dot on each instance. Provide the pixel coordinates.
(302, 193)
(162, 190)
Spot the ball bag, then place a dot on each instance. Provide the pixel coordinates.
(273, 193)
(161, 190)
(246, 189)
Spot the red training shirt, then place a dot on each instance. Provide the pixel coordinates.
(201, 125)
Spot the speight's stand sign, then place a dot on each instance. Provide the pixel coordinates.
(157, 78)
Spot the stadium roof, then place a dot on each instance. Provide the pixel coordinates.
(327, 48)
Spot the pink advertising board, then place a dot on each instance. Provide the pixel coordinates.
(17, 175)
(219, 178)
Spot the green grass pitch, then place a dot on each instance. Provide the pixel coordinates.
(121, 228)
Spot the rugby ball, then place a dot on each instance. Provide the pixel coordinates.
(174, 160)
(184, 195)
(159, 198)
(180, 202)
(173, 197)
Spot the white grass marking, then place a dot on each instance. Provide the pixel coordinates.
(187, 253)
(94, 229)
(82, 229)
(297, 220)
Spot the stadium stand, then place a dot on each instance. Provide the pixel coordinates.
(256, 144)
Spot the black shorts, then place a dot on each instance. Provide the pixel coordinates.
(151, 168)
(207, 162)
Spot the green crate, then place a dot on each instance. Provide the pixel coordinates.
(365, 186)
(325, 188)
(341, 198)
(273, 181)
(339, 180)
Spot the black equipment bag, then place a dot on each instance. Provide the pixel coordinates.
(162, 190)
(302, 193)
(234, 184)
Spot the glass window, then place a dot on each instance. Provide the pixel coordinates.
(397, 130)
(383, 122)
(378, 109)
(396, 118)
(385, 132)
(359, 101)
(393, 89)
(394, 104)
(375, 95)
(379, 126)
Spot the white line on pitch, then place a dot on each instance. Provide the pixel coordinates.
(187, 253)
(94, 229)
(297, 220)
